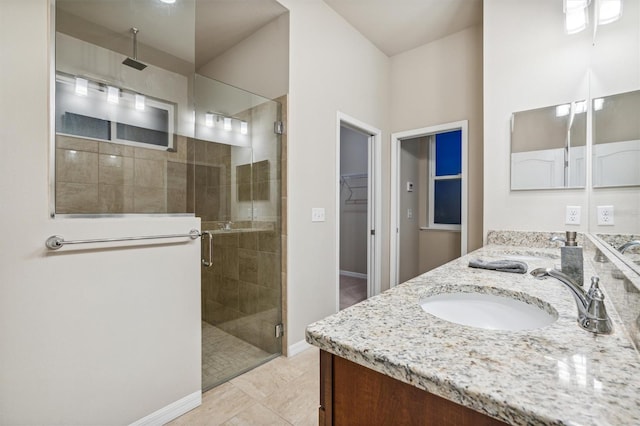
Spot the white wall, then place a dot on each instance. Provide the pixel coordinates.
(437, 83)
(333, 68)
(529, 62)
(102, 336)
(266, 50)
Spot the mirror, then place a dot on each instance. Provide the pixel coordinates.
(548, 147)
(616, 140)
(615, 99)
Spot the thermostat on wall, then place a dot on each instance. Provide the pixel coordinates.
(409, 186)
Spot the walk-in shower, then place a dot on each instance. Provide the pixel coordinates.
(168, 141)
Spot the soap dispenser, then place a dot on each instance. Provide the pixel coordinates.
(571, 260)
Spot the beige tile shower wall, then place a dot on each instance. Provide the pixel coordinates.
(95, 177)
(209, 188)
(241, 291)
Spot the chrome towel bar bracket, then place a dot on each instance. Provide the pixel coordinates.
(55, 242)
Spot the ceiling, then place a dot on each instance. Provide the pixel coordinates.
(396, 26)
(216, 25)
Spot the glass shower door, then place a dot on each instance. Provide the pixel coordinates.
(234, 187)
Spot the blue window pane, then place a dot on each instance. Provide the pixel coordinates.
(447, 196)
(449, 153)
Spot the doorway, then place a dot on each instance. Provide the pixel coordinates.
(358, 211)
(429, 198)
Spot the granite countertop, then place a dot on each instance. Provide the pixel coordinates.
(556, 375)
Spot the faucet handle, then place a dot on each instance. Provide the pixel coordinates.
(594, 291)
(597, 320)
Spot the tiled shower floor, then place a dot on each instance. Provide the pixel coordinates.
(225, 356)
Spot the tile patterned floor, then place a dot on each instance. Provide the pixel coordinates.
(352, 290)
(225, 356)
(284, 391)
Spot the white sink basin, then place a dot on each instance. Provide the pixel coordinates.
(487, 311)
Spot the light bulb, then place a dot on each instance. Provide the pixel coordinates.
(244, 127)
(580, 107)
(227, 123)
(140, 101)
(113, 94)
(208, 119)
(82, 86)
(598, 104)
(562, 110)
(609, 11)
(575, 20)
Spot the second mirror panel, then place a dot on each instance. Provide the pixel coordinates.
(548, 147)
(616, 140)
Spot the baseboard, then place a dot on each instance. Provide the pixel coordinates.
(171, 411)
(353, 274)
(297, 347)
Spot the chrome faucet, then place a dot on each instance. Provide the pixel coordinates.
(558, 238)
(592, 315)
(628, 245)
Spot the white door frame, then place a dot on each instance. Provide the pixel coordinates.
(396, 138)
(374, 204)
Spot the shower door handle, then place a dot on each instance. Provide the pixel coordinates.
(209, 236)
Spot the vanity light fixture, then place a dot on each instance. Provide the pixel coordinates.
(562, 110)
(139, 102)
(113, 95)
(208, 119)
(576, 14)
(82, 86)
(244, 127)
(227, 123)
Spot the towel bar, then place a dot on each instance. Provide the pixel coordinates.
(55, 242)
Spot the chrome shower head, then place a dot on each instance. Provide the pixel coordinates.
(133, 62)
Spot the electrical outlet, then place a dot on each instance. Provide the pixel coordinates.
(573, 215)
(605, 215)
(317, 214)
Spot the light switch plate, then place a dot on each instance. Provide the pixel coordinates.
(317, 214)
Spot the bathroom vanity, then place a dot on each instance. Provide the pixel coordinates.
(387, 361)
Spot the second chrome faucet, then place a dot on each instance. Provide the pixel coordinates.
(592, 315)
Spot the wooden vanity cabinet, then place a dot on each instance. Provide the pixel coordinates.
(351, 394)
